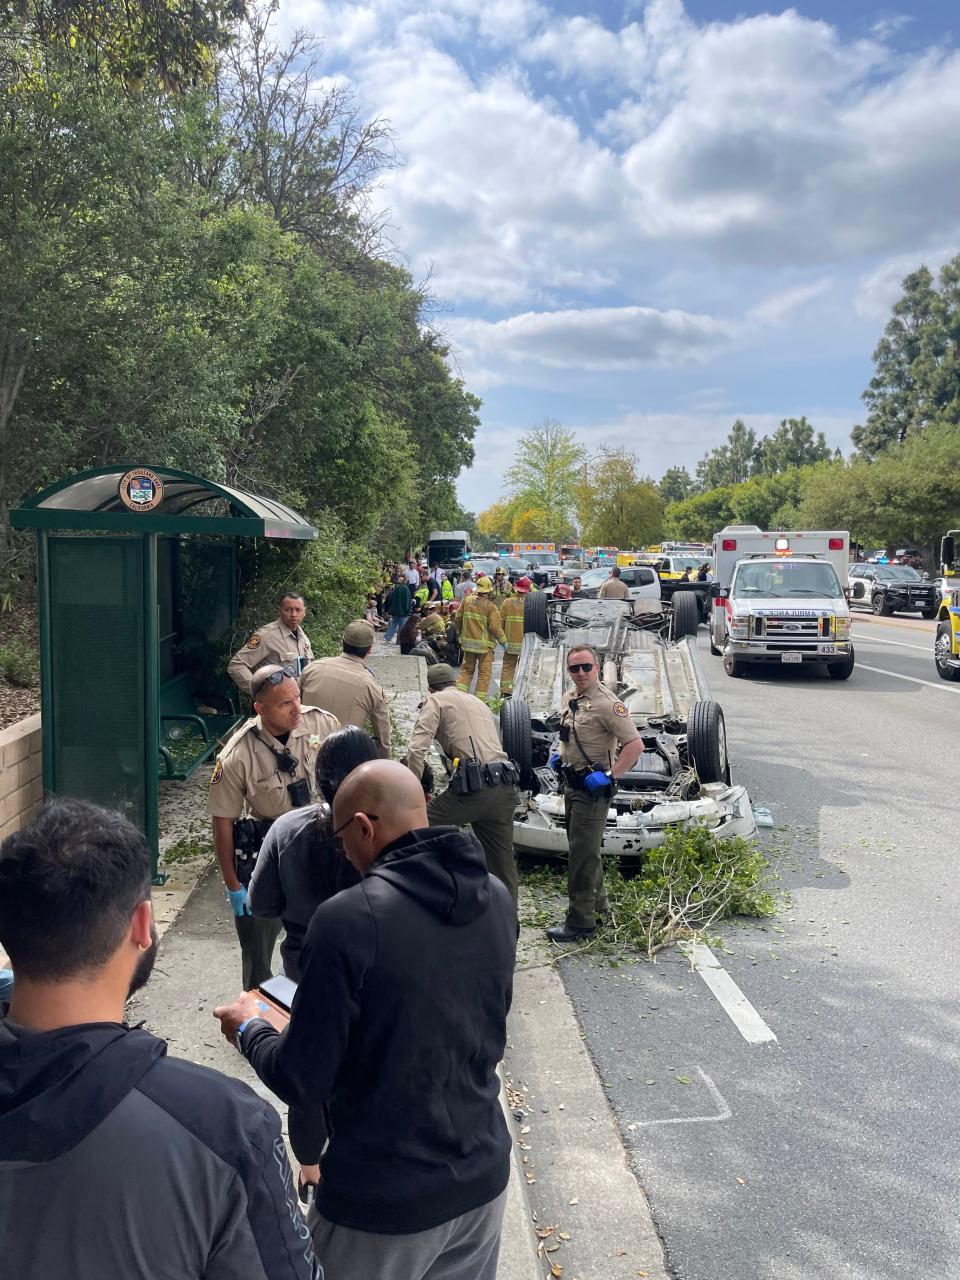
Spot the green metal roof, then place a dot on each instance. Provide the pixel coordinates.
(91, 500)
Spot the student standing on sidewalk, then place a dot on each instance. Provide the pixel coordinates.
(399, 1023)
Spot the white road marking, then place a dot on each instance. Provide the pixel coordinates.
(732, 1000)
(931, 684)
(723, 1109)
(924, 648)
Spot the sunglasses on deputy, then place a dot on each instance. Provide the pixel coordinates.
(273, 679)
(574, 667)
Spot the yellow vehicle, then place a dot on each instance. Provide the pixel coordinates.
(946, 646)
(627, 558)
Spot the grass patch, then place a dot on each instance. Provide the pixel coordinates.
(187, 849)
(19, 664)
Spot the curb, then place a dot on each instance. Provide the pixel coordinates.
(589, 1212)
(518, 1244)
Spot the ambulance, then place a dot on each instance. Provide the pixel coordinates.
(781, 597)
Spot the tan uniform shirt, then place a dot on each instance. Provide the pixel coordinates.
(614, 589)
(246, 773)
(602, 723)
(347, 688)
(454, 718)
(273, 644)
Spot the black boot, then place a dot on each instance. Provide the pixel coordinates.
(568, 933)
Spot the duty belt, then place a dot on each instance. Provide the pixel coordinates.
(248, 836)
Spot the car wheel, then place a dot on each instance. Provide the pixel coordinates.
(733, 666)
(686, 615)
(929, 614)
(842, 670)
(942, 652)
(880, 606)
(707, 741)
(517, 735)
(535, 617)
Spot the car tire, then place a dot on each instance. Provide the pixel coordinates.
(686, 615)
(535, 618)
(929, 614)
(879, 605)
(516, 733)
(842, 670)
(733, 666)
(942, 650)
(707, 741)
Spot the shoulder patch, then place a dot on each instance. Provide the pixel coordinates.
(217, 772)
(619, 709)
(253, 642)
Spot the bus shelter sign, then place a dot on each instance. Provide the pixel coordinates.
(141, 490)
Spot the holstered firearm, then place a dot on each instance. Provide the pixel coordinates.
(248, 837)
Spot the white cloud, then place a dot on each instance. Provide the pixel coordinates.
(880, 288)
(780, 306)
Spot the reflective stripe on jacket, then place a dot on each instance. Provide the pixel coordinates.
(511, 615)
(478, 624)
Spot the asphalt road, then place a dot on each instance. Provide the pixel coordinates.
(832, 1151)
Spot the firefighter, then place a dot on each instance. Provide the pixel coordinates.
(479, 629)
(511, 615)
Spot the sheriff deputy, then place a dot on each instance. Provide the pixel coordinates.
(347, 688)
(594, 723)
(482, 790)
(267, 768)
(283, 642)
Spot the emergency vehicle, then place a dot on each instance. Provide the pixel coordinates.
(781, 597)
(600, 557)
(946, 649)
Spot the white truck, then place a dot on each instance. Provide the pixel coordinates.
(781, 597)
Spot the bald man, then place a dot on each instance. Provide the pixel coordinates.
(398, 1025)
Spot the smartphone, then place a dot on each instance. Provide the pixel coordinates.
(280, 990)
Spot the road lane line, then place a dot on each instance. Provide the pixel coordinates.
(723, 1109)
(924, 648)
(732, 1000)
(931, 684)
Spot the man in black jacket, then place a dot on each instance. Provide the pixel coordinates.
(398, 1024)
(116, 1160)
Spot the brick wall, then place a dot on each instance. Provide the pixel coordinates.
(21, 781)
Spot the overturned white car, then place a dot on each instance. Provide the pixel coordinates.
(649, 658)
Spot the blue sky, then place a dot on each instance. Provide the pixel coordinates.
(648, 219)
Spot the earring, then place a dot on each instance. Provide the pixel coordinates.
(142, 947)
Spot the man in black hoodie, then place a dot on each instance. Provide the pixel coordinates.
(398, 1025)
(116, 1160)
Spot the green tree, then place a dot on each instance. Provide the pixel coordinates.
(700, 516)
(916, 377)
(676, 484)
(793, 444)
(543, 479)
(616, 506)
(731, 462)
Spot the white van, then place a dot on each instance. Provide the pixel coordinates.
(781, 597)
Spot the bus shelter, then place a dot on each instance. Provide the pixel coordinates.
(137, 590)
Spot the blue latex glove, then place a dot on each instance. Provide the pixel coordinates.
(555, 761)
(594, 781)
(238, 901)
(6, 985)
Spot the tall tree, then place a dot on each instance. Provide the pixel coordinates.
(793, 444)
(543, 479)
(731, 462)
(616, 506)
(676, 484)
(916, 377)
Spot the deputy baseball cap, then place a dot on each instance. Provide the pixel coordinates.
(522, 585)
(440, 675)
(484, 584)
(358, 635)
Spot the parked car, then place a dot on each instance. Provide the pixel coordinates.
(892, 588)
(641, 581)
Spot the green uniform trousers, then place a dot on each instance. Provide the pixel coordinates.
(482, 663)
(257, 937)
(586, 820)
(490, 813)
